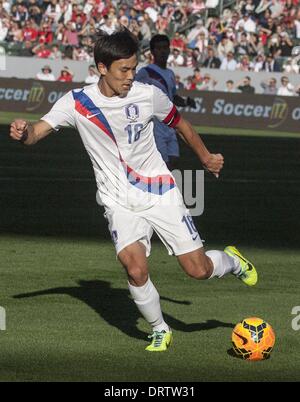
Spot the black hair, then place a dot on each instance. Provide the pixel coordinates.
(121, 44)
(157, 39)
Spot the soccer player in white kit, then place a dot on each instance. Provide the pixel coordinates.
(138, 192)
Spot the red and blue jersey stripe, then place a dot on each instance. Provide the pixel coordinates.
(86, 107)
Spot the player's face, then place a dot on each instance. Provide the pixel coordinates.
(161, 52)
(118, 78)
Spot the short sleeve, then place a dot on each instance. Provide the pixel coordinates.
(164, 109)
(62, 113)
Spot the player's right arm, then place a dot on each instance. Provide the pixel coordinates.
(61, 115)
(29, 133)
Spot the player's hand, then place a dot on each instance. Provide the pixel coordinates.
(214, 164)
(179, 101)
(191, 102)
(18, 130)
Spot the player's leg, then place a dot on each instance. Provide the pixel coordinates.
(214, 263)
(132, 239)
(134, 260)
(175, 227)
(146, 297)
(131, 235)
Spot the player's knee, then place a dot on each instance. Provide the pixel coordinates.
(198, 270)
(137, 274)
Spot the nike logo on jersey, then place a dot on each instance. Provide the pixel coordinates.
(89, 116)
(245, 340)
(195, 237)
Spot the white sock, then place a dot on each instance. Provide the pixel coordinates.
(146, 298)
(223, 263)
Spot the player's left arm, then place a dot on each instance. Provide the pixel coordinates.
(212, 162)
(166, 112)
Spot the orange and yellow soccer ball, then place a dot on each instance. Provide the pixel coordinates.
(253, 339)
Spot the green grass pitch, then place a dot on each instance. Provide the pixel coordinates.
(68, 313)
(69, 316)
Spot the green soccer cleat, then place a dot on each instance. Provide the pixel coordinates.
(160, 341)
(248, 272)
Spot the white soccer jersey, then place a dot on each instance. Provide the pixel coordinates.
(118, 136)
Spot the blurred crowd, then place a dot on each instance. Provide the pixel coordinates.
(243, 35)
(206, 82)
(67, 75)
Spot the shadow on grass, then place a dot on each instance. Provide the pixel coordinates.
(118, 310)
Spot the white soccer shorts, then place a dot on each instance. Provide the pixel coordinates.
(172, 223)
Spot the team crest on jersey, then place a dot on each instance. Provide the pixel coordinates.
(132, 112)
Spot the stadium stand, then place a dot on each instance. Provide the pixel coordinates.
(257, 34)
